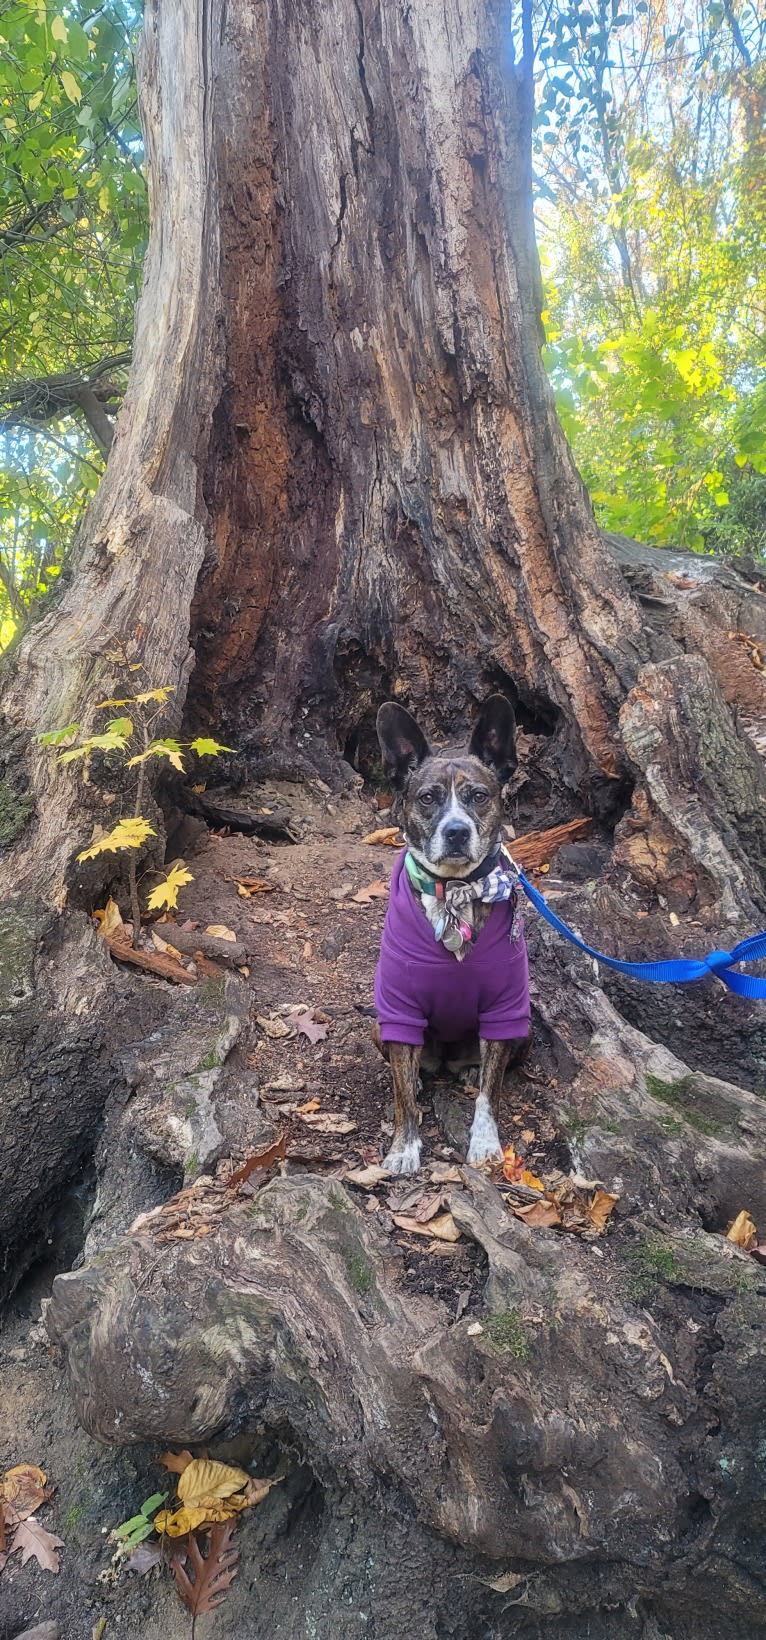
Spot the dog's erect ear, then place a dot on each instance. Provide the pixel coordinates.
(494, 738)
(402, 743)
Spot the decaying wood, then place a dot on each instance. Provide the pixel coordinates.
(153, 962)
(537, 848)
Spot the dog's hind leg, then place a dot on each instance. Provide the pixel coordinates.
(485, 1143)
(404, 1155)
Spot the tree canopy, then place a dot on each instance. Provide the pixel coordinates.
(72, 232)
(650, 176)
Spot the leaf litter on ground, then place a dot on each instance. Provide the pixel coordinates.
(23, 1489)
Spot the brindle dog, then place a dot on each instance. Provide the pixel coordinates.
(448, 804)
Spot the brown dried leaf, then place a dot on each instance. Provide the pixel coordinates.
(23, 1489)
(219, 931)
(262, 1158)
(144, 1558)
(331, 1122)
(443, 1228)
(390, 836)
(176, 1462)
(35, 1543)
(212, 1573)
(373, 891)
(306, 1025)
(428, 1207)
(366, 1177)
(273, 1027)
(743, 1232)
(309, 1106)
(248, 887)
(445, 1173)
(542, 1215)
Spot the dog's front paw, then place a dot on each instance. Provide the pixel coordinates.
(485, 1143)
(406, 1160)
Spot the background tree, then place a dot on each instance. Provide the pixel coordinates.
(652, 210)
(72, 236)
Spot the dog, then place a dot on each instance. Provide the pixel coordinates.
(453, 961)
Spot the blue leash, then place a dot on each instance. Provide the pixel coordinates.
(677, 970)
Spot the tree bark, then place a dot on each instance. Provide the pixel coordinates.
(338, 476)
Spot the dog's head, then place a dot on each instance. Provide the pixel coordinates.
(449, 801)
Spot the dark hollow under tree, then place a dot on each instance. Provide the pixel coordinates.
(338, 476)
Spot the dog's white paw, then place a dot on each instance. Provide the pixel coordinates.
(403, 1161)
(485, 1143)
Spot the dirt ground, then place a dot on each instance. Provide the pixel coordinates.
(311, 940)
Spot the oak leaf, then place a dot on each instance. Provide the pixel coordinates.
(212, 1573)
(306, 1025)
(35, 1543)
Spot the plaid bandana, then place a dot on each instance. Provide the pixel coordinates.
(449, 905)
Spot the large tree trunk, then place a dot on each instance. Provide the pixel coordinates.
(338, 476)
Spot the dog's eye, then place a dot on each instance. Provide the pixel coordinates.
(427, 799)
(479, 795)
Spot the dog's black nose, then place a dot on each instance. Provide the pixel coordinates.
(456, 839)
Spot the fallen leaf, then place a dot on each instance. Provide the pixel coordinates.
(212, 1573)
(262, 1158)
(445, 1173)
(390, 836)
(542, 1215)
(331, 1122)
(176, 1462)
(528, 1134)
(219, 931)
(366, 1177)
(685, 582)
(743, 1232)
(443, 1228)
(584, 1207)
(306, 1025)
(35, 1543)
(23, 1489)
(144, 1558)
(204, 1477)
(601, 1207)
(110, 920)
(502, 1584)
(515, 1171)
(306, 1109)
(248, 887)
(373, 891)
(273, 1027)
(428, 1208)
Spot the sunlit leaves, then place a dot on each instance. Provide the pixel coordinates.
(165, 748)
(204, 747)
(73, 227)
(127, 834)
(110, 741)
(165, 896)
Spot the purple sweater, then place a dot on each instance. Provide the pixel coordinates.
(419, 984)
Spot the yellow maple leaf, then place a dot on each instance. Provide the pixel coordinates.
(165, 895)
(130, 833)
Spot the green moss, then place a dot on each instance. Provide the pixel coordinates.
(191, 1108)
(210, 1061)
(191, 1164)
(72, 1517)
(677, 1094)
(302, 1209)
(359, 1270)
(573, 1125)
(338, 1202)
(652, 1261)
(506, 1331)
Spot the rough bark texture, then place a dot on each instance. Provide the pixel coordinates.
(337, 475)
